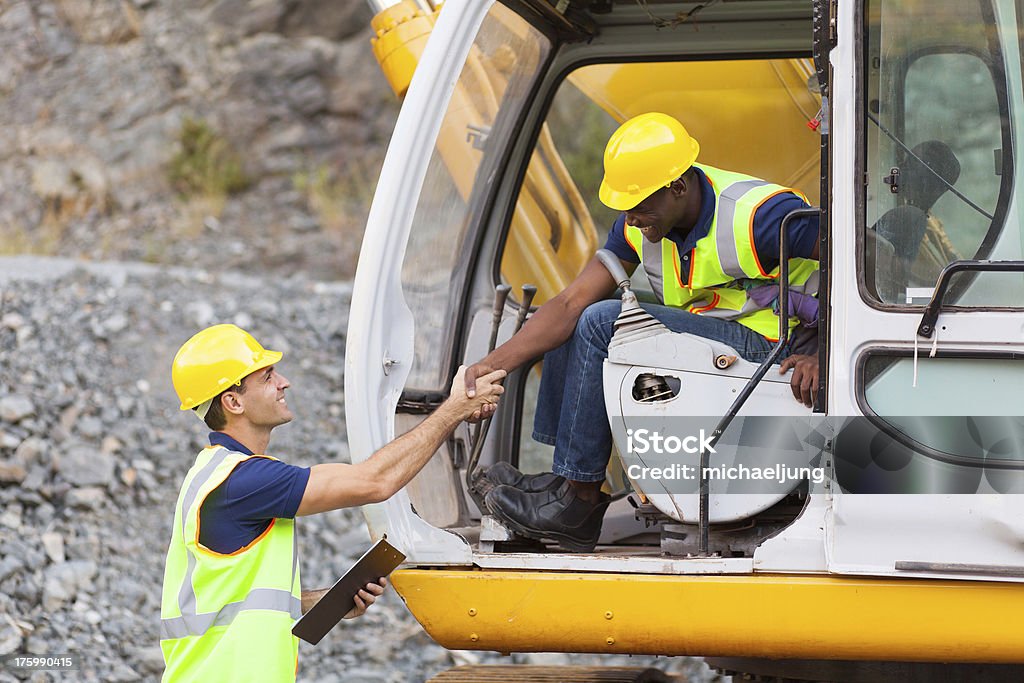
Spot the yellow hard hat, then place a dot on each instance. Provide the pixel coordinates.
(644, 155)
(215, 359)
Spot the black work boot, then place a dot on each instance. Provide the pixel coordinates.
(503, 474)
(556, 514)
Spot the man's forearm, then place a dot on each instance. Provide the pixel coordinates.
(548, 328)
(399, 461)
(336, 485)
(554, 322)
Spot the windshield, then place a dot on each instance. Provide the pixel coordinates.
(501, 67)
(942, 102)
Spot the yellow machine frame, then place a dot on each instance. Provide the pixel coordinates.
(791, 617)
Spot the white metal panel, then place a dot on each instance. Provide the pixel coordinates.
(705, 395)
(871, 533)
(800, 547)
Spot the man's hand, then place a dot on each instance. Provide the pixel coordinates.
(804, 382)
(470, 377)
(366, 597)
(471, 374)
(477, 400)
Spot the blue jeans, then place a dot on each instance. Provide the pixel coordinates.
(570, 407)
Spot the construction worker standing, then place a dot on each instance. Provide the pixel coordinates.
(708, 240)
(231, 581)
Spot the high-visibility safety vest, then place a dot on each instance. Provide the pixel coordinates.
(724, 264)
(228, 617)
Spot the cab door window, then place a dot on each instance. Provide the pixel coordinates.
(940, 160)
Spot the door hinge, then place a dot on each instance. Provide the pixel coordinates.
(833, 31)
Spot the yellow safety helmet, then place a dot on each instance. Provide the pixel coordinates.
(215, 359)
(644, 155)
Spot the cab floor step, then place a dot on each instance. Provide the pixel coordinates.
(496, 673)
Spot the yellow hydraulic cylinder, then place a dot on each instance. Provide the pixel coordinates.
(402, 32)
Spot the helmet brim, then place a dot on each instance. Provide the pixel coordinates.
(624, 201)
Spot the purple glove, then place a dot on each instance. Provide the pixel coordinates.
(803, 306)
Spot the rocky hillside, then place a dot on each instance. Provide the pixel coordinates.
(208, 133)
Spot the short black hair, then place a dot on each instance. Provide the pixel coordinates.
(215, 418)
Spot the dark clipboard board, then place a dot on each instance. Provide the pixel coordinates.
(380, 560)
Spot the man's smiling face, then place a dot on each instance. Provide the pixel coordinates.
(264, 401)
(660, 212)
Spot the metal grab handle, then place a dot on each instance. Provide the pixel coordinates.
(755, 379)
(934, 307)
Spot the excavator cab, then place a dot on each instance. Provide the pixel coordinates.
(897, 120)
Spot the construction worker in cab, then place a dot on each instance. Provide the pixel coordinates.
(708, 241)
(231, 581)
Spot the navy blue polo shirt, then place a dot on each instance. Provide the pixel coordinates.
(256, 492)
(803, 231)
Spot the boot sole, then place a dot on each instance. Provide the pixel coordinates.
(563, 541)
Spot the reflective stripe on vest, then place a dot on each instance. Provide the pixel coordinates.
(724, 263)
(228, 616)
(191, 624)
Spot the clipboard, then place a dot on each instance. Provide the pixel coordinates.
(380, 560)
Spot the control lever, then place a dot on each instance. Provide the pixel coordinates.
(633, 321)
(615, 269)
(529, 291)
(497, 312)
(500, 297)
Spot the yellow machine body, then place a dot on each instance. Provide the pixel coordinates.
(736, 109)
(750, 616)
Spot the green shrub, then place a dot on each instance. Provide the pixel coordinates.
(205, 163)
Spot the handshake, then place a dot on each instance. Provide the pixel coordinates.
(478, 400)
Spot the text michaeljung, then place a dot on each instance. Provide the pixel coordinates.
(776, 473)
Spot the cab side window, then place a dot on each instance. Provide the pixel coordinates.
(939, 157)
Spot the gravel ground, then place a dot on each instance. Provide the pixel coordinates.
(93, 450)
